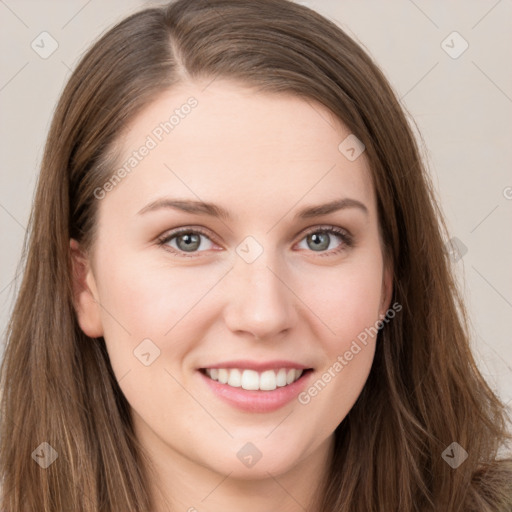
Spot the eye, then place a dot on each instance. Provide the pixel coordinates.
(319, 240)
(185, 241)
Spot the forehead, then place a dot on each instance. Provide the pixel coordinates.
(225, 141)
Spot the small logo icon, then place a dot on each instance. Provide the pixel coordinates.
(454, 45)
(146, 352)
(351, 147)
(44, 45)
(456, 249)
(249, 249)
(45, 455)
(454, 455)
(249, 455)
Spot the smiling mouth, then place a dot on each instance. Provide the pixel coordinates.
(251, 380)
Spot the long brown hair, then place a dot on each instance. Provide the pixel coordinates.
(424, 391)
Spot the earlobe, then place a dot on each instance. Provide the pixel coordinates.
(85, 297)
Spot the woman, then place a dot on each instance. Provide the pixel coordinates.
(236, 292)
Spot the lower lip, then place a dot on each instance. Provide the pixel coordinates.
(258, 401)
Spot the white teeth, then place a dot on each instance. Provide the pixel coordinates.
(281, 378)
(223, 376)
(251, 380)
(235, 378)
(268, 381)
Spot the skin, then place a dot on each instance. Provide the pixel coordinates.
(263, 157)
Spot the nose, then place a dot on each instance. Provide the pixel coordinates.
(262, 302)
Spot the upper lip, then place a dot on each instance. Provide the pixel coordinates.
(258, 366)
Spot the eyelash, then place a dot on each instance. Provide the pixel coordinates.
(347, 240)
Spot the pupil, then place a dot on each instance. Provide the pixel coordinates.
(318, 241)
(190, 240)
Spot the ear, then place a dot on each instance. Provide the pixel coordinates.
(387, 288)
(85, 294)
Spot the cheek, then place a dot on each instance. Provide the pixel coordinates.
(149, 327)
(347, 300)
(142, 300)
(148, 296)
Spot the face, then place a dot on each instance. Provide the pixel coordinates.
(236, 338)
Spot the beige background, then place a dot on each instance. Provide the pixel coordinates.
(462, 106)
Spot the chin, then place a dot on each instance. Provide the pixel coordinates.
(254, 461)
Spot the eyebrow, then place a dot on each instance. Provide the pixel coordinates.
(213, 210)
